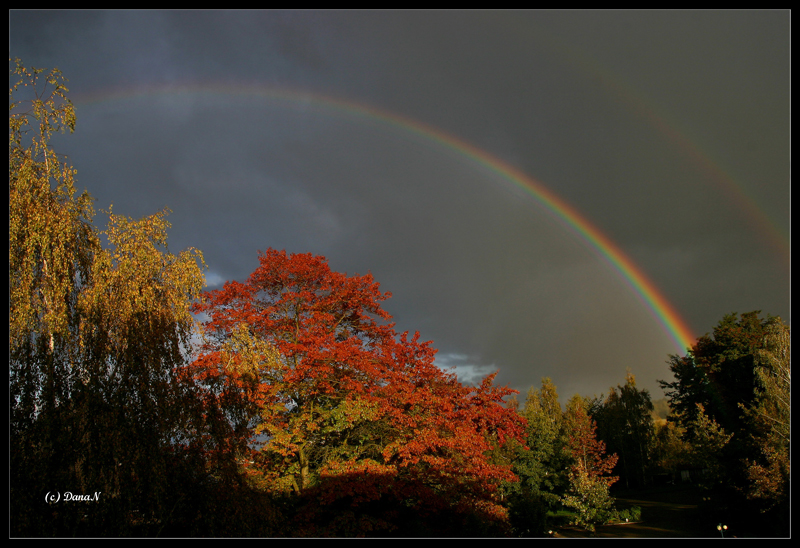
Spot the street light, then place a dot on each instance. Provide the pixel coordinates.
(722, 528)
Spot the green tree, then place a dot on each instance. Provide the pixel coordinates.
(539, 465)
(718, 372)
(625, 423)
(588, 496)
(670, 452)
(708, 445)
(771, 411)
(768, 470)
(733, 387)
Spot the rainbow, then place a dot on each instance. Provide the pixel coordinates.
(657, 118)
(645, 290)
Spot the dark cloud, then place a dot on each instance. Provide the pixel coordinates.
(669, 131)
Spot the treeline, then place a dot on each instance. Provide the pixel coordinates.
(295, 409)
(731, 403)
(727, 433)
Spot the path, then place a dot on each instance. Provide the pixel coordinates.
(666, 513)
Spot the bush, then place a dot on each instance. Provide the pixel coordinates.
(528, 514)
(634, 513)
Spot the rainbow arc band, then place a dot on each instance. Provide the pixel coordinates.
(645, 290)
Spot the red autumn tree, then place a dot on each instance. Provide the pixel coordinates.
(304, 363)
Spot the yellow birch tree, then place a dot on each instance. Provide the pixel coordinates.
(97, 337)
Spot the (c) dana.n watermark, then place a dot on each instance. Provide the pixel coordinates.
(53, 497)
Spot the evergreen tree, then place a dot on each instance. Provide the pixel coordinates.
(540, 465)
(731, 397)
(625, 423)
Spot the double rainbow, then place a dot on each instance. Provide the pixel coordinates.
(645, 290)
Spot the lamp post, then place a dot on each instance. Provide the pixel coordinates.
(722, 528)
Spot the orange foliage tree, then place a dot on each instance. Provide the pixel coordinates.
(588, 452)
(329, 404)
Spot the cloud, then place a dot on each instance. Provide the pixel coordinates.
(213, 280)
(468, 372)
(641, 133)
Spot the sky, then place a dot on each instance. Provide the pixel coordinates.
(563, 194)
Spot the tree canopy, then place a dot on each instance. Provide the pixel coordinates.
(731, 397)
(625, 423)
(538, 465)
(288, 405)
(589, 477)
(326, 389)
(97, 336)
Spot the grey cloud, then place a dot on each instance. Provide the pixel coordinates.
(645, 122)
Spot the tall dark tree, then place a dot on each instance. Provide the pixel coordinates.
(730, 394)
(625, 423)
(670, 452)
(768, 468)
(718, 372)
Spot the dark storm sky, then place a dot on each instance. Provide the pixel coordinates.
(667, 130)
